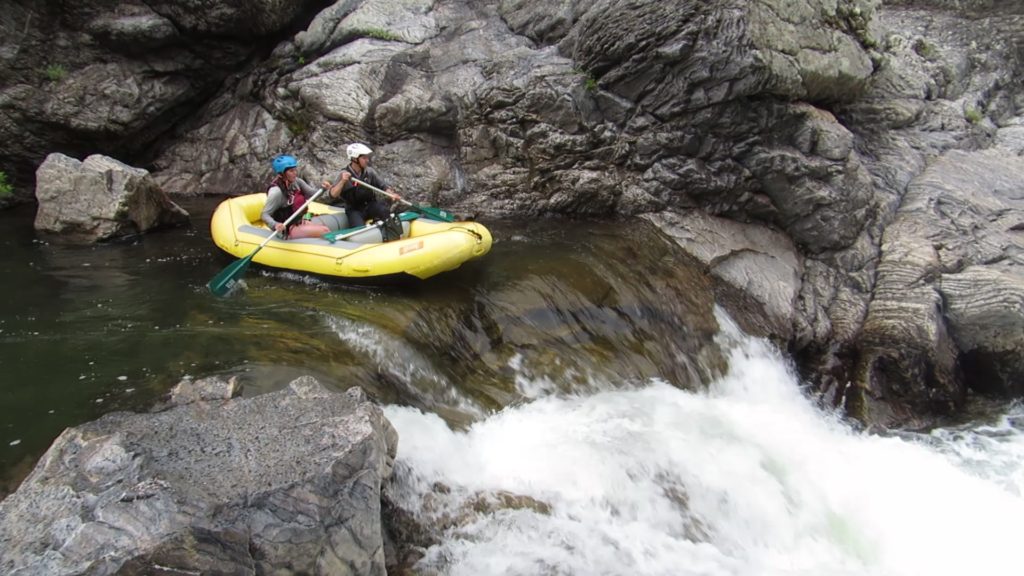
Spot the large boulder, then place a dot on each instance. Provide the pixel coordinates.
(287, 482)
(99, 198)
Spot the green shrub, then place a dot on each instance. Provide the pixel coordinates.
(925, 49)
(973, 115)
(5, 187)
(55, 72)
(299, 122)
(589, 82)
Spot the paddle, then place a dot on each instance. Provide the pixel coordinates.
(223, 283)
(349, 232)
(435, 213)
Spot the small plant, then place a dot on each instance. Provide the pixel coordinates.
(299, 123)
(5, 187)
(973, 115)
(925, 49)
(378, 33)
(55, 72)
(589, 82)
(302, 61)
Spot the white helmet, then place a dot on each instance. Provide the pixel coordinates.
(356, 150)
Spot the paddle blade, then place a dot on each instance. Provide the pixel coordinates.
(435, 213)
(222, 283)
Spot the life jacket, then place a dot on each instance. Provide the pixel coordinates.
(356, 197)
(295, 200)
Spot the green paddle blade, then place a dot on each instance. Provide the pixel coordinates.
(435, 213)
(222, 283)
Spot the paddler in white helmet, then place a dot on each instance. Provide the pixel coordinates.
(360, 202)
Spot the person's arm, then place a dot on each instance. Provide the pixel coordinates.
(339, 186)
(374, 179)
(307, 190)
(275, 200)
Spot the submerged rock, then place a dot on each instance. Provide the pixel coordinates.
(287, 482)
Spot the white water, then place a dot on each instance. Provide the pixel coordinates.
(746, 479)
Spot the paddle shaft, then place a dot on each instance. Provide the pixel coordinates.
(354, 232)
(388, 194)
(437, 213)
(405, 217)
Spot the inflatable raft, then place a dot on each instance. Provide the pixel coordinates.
(426, 247)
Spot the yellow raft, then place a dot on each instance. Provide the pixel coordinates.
(427, 247)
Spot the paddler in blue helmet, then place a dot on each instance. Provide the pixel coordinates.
(286, 194)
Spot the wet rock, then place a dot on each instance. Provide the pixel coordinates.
(949, 289)
(986, 315)
(751, 260)
(283, 482)
(204, 390)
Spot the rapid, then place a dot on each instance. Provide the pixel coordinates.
(746, 477)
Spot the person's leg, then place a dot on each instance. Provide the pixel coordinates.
(377, 210)
(307, 230)
(334, 222)
(355, 218)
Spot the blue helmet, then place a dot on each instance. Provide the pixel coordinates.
(284, 162)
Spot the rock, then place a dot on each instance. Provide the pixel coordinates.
(237, 18)
(750, 260)
(950, 285)
(205, 390)
(95, 98)
(135, 30)
(99, 199)
(986, 316)
(287, 482)
(543, 22)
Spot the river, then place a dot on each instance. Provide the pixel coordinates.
(573, 403)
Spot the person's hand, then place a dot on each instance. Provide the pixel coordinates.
(391, 194)
(326, 185)
(278, 227)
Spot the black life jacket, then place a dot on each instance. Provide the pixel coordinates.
(357, 197)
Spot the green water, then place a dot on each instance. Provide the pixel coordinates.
(88, 330)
